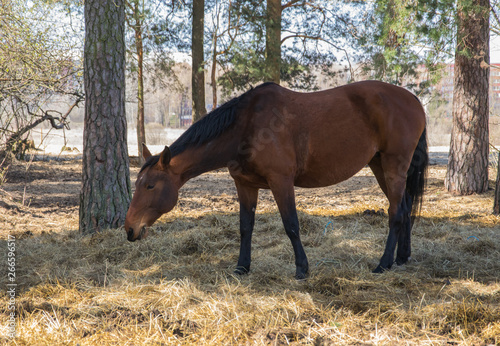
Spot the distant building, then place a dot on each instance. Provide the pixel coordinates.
(185, 112)
(495, 86)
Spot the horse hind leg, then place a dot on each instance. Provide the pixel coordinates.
(404, 240)
(391, 174)
(376, 166)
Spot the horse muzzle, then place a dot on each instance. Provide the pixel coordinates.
(131, 235)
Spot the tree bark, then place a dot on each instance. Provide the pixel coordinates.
(105, 192)
(467, 171)
(198, 69)
(273, 40)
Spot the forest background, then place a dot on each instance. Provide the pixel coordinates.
(177, 286)
(323, 44)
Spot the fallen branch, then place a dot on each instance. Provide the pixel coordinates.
(61, 123)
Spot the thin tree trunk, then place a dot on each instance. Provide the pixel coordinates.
(496, 202)
(105, 192)
(198, 69)
(468, 160)
(214, 70)
(141, 131)
(273, 40)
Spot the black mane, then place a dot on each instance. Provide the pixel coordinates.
(207, 128)
(151, 161)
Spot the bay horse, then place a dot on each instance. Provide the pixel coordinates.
(274, 138)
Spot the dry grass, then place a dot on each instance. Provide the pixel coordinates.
(176, 287)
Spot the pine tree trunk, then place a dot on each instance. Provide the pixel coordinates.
(198, 72)
(106, 190)
(468, 160)
(273, 40)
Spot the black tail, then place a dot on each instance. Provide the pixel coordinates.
(417, 174)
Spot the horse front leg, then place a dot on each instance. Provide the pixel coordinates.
(284, 194)
(248, 203)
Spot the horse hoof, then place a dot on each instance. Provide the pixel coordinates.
(379, 269)
(241, 271)
(401, 261)
(301, 277)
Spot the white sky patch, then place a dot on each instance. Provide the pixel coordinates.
(495, 50)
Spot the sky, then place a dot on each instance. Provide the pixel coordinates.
(495, 50)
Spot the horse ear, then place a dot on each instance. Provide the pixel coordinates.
(145, 151)
(165, 157)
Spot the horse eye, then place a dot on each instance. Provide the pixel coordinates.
(150, 187)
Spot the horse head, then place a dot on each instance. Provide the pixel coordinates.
(156, 193)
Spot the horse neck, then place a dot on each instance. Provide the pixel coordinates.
(208, 157)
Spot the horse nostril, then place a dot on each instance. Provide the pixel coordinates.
(143, 233)
(130, 234)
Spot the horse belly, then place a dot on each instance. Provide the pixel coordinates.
(329, 166)
(328, 176)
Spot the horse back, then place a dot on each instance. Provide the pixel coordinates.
(322, 138)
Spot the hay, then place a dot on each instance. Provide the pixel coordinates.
(177, 287)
